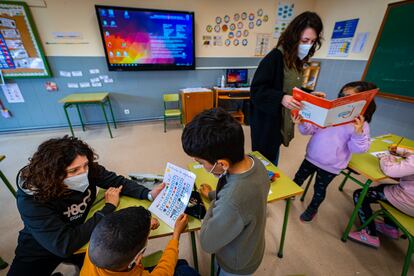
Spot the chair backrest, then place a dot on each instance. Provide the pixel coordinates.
(171, 97)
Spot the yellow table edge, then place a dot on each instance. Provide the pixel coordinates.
(78, 97)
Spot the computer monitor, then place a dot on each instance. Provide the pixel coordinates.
(236, 77)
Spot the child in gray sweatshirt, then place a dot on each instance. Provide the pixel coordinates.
(234, 226)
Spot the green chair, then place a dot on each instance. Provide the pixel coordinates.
(170, 99)
(404, 222)
(152, 259)
(3, 177)
(3, 264)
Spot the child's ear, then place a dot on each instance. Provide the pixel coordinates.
(225, 164)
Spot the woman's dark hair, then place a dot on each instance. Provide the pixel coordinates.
(361, 86)
(118, 238)
(46, 170)
(290, 39)
(212, 135)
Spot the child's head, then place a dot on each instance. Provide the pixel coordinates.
(120, 239)
(214, 139)
(354, 87)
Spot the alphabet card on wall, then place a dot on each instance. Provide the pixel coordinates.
(174, 198)
(324, 113)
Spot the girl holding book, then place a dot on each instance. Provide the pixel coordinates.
(329, 150)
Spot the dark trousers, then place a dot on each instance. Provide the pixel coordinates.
(365, 212)
(323, 178)
(42, 266)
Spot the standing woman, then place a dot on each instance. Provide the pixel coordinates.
(271, 89)
(56, 190)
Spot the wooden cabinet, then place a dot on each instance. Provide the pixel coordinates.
(194, 103)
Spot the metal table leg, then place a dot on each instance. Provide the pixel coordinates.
(285, 222)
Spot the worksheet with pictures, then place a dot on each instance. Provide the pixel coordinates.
(173, 199)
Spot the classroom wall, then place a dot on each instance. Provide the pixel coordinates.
(141, 92)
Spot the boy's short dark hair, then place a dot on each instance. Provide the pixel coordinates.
(118, 238)
(362, 86)
(212, 135)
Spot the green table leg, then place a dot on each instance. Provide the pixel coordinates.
(3, 264)
(302, 198)
(407, 259)
(285, 222)
(194, 246)
(65, 106)
(347, 174)
(9, 186)
(106, 120)
(212, 268)
(80, 117)
(357, 206)
(112, 113)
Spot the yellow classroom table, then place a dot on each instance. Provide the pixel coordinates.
(282, 188)
(88, 98)
(368, 166)
(162, 231)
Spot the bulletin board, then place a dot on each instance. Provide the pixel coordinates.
(391, 63)
(21, 53)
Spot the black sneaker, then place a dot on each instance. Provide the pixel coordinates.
(308, 215)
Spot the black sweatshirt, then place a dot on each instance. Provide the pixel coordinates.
(57, 228)
(265, 105)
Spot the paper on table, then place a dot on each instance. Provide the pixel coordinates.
(198, 166)
(387, 141)
(174, 198)
(378, 153)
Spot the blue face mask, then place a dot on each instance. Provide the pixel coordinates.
(303, 50)
(78, 182)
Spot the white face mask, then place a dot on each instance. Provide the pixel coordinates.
(78, 182)
(217, 176)
(303, 50)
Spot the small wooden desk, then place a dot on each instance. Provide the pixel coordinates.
(87, 98)
(282, 188)
(162, 231)
(368, 166)
(223, 94)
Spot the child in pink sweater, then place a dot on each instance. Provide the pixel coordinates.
(401, 196)
(330, 149)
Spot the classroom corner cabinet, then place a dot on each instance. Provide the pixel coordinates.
(195, 102)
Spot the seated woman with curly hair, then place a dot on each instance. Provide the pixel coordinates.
(55, 193)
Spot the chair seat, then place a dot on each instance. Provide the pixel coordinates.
(405, 220)
(152, 259)
(172, 112)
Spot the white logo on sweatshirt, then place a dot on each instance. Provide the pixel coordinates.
(76, 210)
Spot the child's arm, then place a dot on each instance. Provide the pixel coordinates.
(360, 138)
(396, 167)
(168, 261)
(222, 224)
(304, 127)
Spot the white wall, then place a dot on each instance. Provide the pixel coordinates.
(369, 12)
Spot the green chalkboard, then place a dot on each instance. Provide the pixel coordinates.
(391, 64)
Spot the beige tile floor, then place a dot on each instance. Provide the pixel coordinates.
(310, 249)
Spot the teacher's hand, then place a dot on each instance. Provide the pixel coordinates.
(290, 103)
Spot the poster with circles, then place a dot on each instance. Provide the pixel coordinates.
(234, 29)
(284, 14)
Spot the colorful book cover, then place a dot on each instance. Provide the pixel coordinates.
(324, 113)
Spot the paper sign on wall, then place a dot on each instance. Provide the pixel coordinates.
(12, 93)
(341, 39)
